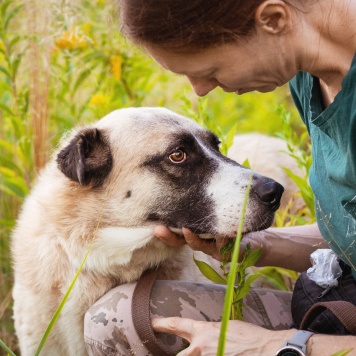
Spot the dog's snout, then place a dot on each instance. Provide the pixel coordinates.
(269, 192)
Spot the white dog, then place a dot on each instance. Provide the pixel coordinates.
(107, 187)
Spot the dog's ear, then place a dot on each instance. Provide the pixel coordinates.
(87, 159)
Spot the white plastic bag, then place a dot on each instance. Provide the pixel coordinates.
(325, 268)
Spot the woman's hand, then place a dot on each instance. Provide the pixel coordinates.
(288, 247)
(203, 337)
(210, 247)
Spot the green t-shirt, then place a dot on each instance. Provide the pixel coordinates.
(333, 172)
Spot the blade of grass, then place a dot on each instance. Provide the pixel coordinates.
(3, 345)
(231, 277)
(342, 353)
(65, 297)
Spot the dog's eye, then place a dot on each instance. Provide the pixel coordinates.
(178, 156)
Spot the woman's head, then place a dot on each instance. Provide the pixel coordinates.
(180, 25)
(237, 45)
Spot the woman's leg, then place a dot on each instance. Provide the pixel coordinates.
(109, 327)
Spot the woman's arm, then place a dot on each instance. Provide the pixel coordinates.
(244, 338)
(287, 247)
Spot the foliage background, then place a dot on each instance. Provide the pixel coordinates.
(64, 63)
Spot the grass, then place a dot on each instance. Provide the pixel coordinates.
(229, 297)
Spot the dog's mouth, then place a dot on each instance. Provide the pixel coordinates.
(231, 233)
(205, 236)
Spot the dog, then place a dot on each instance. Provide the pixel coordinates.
(105, 189)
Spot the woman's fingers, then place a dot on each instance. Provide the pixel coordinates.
(178, 326)
(210, 247)
(168, 237)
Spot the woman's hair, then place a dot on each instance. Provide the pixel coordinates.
(180, 25)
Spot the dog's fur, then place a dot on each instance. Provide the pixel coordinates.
(259, 149)
(109, 185)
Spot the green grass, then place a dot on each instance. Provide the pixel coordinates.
(229, 297)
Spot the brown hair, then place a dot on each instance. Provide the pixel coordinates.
(179, 25)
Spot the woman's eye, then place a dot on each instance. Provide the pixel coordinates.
(178, 156)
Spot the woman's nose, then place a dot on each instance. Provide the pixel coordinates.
(202, 86)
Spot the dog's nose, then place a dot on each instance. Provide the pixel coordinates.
(269, 192)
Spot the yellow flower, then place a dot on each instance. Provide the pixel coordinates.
(87, 27)
(72, 39)
(99, 100)
(116, 64)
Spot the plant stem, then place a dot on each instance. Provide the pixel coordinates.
(231, 277)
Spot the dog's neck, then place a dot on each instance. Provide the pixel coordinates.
(123, 247)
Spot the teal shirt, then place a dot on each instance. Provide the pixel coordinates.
(333, 172)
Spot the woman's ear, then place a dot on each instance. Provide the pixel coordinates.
(273, 16)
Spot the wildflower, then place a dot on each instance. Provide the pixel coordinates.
(72, 39)
(116, 64)
(99, 100)
(87, 27)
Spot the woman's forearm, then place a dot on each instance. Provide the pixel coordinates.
(290, 247)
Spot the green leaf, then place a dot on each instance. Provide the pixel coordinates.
(10, 164)
(5, 71)
(15, 186)
(241, 293)
(209, 272)
(229, 138)
(15, 64)
(228, 248)
(246, 163)
(7, 172)
(4, 7)
(6, 109)
(7, 223)
(273, 277)
(342, 352)
(251, 257)
(11, 15)
(304, 187)
(83, 75)
(5, 87)
(12, 43)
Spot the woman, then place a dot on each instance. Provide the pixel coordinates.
(242, 46)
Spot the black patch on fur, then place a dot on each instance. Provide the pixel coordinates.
(186, 203)
(128, 194)
(153, 217)
(87, 159)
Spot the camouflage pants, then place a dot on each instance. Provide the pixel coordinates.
(109, 330)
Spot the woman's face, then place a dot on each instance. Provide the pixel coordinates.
(260, 64)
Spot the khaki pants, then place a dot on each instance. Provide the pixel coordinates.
(109, 330)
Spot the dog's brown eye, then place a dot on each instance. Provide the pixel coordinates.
(178, 156)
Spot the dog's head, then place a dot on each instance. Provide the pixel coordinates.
(148, 166)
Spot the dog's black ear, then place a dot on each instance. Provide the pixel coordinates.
(87, 159)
